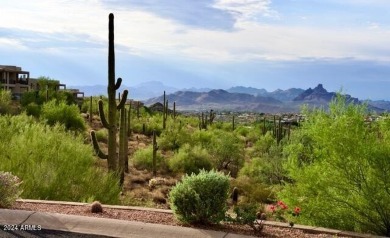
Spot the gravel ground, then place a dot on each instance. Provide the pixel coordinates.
(160, 218)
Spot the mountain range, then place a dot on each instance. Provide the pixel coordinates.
(237, 98)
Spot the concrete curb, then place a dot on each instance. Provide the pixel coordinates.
(307, 229)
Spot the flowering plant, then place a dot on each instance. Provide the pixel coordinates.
(280, 210)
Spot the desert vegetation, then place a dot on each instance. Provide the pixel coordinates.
(331, 170)
(332, 167)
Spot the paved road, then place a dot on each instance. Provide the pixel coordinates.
(46, 234)
(60, 225)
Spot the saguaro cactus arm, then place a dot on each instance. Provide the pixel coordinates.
(96, 146)
(118, 83)
(123, 100)
(102, 115)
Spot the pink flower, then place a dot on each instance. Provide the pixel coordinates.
(272, 208)
(297, 210)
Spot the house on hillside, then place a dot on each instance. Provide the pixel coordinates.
(18, 81)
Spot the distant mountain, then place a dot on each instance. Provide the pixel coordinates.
(197, 89)
(286, 95)
(320, 95)
(141, 91)
(248, 90)
(237, 98)
(380, 104)
(281, 95)
(217, 99)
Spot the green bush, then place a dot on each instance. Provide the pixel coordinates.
(52, 163)
(200, 198)
(32, 97)
(95, 108)
(9, 189)
(267, 168)
(33, 109)
(173, 137)
(263, 145)
(253, 191)
(190, 160)
(340, 167)
(143, 159)
(227, 151)
(59, 112)
(202, 138)
(151, 124)
(243, 130)
(5, 102)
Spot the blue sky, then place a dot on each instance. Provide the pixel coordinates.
(267, 44)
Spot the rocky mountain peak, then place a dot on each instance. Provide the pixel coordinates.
(319, 93)
(320, 89)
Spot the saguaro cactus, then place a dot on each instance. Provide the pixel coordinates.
(90, 110)
(202, 122)
(123, 143)
(174, 111)
(165, 111)
(155, 148)
(211, 116)
(112, 157)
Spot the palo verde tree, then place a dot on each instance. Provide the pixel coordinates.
(339, 165)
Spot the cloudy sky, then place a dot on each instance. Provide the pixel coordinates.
(267, 44)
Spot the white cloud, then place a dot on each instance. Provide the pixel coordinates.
(7, 44)
(147, 34)
(246, 10)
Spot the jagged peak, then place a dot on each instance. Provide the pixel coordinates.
(320, 89)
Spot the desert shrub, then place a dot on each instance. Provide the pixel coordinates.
(225, 148)
(202, 138)
(59, 112)
(151, 124)
(53, 163)
(200, 198)
(32, 97)
(5, 101)
(268, 168)
(173, 137)
(190, 160)
(253, 191)
(263, 145)
(143, 159)
(95, 100)
(33, 109)
(340, 166)
(242, 130)
(247, 214)
(227, 152)
(9, 189)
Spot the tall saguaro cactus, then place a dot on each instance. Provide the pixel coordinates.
(155, 148)
(110, 124)
(165, 110)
